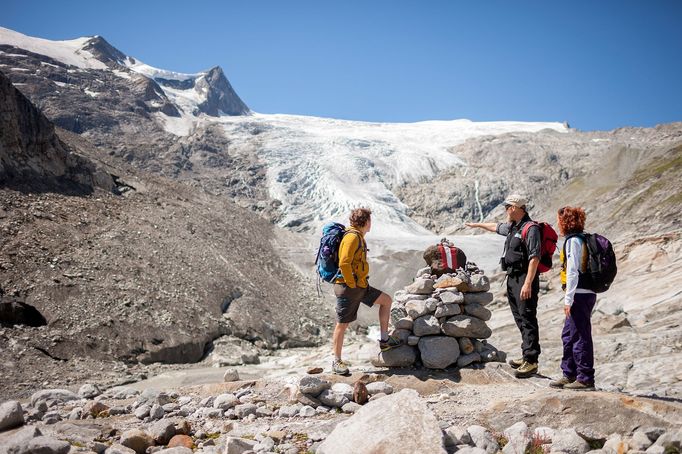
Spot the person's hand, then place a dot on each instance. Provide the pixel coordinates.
(567, 310)
(525, 291)
(471, 224)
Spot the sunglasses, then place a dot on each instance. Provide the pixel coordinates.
(506, 207)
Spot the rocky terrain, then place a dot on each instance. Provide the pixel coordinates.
(152, 275)
(161, 232)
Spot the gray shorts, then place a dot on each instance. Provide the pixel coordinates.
(348, 301)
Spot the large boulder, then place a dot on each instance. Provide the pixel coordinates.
(11, 415)
(54, 395)
(407, 425)
(438, 352)
(466, 326)
(402, 356)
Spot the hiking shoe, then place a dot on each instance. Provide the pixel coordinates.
(560, 383)
(339, 367)
(516, 363)
(526, 369)
(580, 386)
(391, 342)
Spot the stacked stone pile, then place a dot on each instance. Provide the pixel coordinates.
(442, 321)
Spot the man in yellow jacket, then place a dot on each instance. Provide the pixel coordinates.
(352, 288)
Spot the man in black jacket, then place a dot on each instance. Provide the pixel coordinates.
(520, 261)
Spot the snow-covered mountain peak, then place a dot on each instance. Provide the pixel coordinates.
(75, 52)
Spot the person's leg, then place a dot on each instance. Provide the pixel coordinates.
(530, 331)
(513, 298)
(337, 338)
(569, 336)
(384, 302)
(583, 349)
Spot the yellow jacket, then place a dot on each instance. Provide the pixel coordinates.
(353, 259)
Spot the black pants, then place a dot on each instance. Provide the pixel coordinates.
(525, 314)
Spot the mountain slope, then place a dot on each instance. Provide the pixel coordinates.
(31, 154)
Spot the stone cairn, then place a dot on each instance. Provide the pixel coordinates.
(441, 319)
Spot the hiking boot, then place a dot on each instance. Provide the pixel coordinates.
(339, 367)
(526, 369)
(516, 363)
(560, 383)
(580, 386)
(391, 342)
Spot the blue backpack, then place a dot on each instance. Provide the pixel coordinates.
(327, 260)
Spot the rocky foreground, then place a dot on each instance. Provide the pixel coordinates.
(482, 410)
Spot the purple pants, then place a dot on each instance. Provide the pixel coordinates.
(578, 359)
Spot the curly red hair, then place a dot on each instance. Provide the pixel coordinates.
(571, 220)
(359, 217)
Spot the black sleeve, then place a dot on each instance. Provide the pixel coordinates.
(503, 228)
(533, 241)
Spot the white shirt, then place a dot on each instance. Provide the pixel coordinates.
(574, 257)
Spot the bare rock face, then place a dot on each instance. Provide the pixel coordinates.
(221, 96)
(31, 153)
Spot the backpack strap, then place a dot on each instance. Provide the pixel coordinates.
(526, 228)
(579, 235)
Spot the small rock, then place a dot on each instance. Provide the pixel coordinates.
(239, 445)
(89, 391)
(379, 387)
(52, 417)
(479, 283)
(465, 360)
(307, 411)
(94, 408)
(404, 323)
(162, 431)
(568, 441)
(137, 440)
(289, 411)
(181, 441)
(225, 401)
(245, 410)
(478, 311)
(118, 449)
(420, 286)
(315, 370)
(313, 385)
(231, 375)
(156, 412)
(351, 407)
(360, 393)
(332, 399)
(482, 438)
(456, 435)
(343, 389)
(482, 298)
(267, 444)
(413, 340)
(142, 411)
(426, 325)
(465, 345)
(449, 297)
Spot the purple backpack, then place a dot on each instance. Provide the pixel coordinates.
(601, 263)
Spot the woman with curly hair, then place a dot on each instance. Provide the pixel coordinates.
(577, 363)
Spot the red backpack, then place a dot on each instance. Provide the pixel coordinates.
(548, 239)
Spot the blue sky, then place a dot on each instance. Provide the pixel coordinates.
(595, 64)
